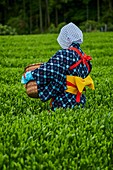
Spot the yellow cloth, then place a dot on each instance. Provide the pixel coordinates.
(79, 84)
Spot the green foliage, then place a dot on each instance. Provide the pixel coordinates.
(19, 24)
(7, 30)
(110, 27)
(53, 29)
(90, 26)
(71, 139)
(60, 26)
(32, 17)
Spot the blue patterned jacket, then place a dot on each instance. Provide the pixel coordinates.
(51, 78)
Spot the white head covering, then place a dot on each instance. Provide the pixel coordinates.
(68, 34)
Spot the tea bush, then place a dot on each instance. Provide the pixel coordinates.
(31, 138)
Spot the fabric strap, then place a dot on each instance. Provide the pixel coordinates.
(83, 59)
(76, 85)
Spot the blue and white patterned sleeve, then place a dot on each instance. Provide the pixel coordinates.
(53, 69)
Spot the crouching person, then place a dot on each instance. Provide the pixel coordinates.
(64, 77)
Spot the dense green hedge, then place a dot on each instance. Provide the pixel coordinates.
(7, 30)
(31, 138)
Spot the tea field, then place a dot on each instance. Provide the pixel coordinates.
(31, 138)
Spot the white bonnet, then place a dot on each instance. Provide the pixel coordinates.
(68, 34)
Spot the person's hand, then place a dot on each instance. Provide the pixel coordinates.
(27, 77)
